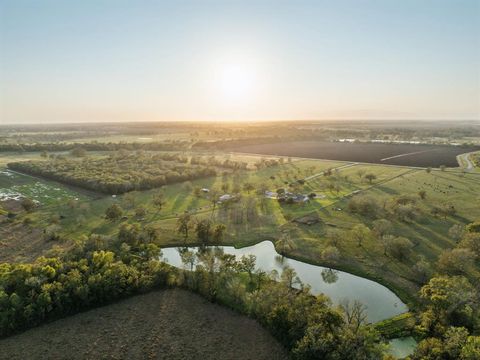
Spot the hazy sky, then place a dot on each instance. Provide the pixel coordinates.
(119, 60)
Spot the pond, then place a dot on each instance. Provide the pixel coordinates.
(402, 347)
(380, 302)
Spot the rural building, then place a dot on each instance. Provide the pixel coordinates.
(225, 197)
(270, 194)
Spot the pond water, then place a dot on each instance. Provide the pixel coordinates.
(381, 303)
(402, 347)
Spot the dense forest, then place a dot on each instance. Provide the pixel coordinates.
(121, 172)
(95, 146)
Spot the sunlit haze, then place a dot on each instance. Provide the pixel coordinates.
(65, 61)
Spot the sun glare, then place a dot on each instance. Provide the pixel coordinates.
(236, 82)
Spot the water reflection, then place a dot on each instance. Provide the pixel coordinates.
(381, 303)
(280, 259)
(330, 276)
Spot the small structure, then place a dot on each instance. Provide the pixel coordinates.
(290, 198)
(205, 190)
(225, 197)
(270, 194)
(300, 198)
(309, 219)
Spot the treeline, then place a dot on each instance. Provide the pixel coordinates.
(213, 161)
(117, 174)
(103, 269)
(476, 159)
(51, 288)
(306, 325)
(267, 139)
(96, 146)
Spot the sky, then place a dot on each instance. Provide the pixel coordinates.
(115, 60)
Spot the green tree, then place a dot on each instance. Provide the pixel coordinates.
(382, 227)
(140, 212)
(330, 254)
(188, 258)
(360, 233)
(422, 194)
(456, 261)
(471, 349)
(474, 227)
(456, 232)
(370, 177)
(218, 232)
(285, 243)
(203, 230)
(158, 201)
(113, 212)
(400, 247)
(28, 204)
(248, 186)
(247, 264)
(184, 224)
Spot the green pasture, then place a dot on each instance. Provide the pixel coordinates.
(428, 234)
(45, 193)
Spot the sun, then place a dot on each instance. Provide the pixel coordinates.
(236, 82)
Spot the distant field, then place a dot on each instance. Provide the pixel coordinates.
(168, 324)
(419, 155)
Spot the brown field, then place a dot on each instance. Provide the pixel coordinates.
(168, 324)
(419, 155)
(21, 243)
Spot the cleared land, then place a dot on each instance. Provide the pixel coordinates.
(15, 185)
(413, 155)
(253, 217)
(168, 324)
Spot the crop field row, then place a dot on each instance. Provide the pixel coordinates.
(393, 154)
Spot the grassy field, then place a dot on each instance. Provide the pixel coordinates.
(13, 185)
(428, 234)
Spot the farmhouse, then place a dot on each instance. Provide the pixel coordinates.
(289, 197)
